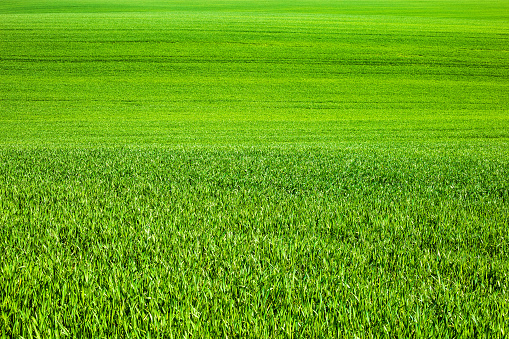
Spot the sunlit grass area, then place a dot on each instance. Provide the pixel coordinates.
(254, 169)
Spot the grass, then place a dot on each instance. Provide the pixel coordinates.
(254, 169)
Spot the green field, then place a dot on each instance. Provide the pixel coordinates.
(241, 168)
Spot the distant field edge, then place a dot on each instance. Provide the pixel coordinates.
(493, 10)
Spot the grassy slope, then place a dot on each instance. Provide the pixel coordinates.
(143, 78)
(260, 168)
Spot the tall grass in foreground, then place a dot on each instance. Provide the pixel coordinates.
(254, 241)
